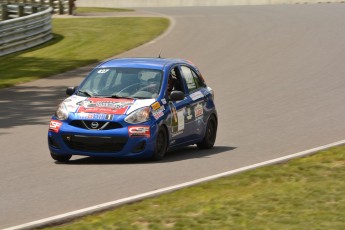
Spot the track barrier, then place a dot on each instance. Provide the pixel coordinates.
(23, 32)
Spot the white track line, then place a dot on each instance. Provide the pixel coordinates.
(116, 203)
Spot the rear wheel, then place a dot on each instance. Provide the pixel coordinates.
(60, 158)
(210, 134)
(161, 144)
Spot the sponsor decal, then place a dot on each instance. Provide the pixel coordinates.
(189, 115)
(158, 113)
(109, 117)
(180, 116)
(156, 105)
(198, 110)
(195, 96)
(174, 119)
(73, 102)
(177, 120)
(55, 125)
(105, 106)
(103, 70)
(95, 116)
(164, 101)
(139, 131)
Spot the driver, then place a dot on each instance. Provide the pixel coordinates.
(172, 82)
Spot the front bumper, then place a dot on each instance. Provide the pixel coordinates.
(70, 140)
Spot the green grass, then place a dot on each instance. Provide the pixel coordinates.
(306, 193)
(100, 10)
(78, 42)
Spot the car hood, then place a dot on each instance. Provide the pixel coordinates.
(116, 106)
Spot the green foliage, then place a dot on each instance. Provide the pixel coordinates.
(78, 42)
(305, 193)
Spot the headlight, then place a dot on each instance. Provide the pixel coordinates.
(139, 116)
(62, 113)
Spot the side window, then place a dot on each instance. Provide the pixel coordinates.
(175, 81)
(197, 80)
(187, 73)
(192, 79)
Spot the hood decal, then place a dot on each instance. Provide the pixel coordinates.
(115, 106)
(104, 105)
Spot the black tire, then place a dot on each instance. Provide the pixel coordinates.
(161, 145)
(210, 134)
(60, 158)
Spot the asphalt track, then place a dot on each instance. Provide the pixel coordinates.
(278, 74)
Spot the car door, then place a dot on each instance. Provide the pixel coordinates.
(196, 113)
(176, 121)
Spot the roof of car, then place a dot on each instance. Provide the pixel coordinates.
(150, 63)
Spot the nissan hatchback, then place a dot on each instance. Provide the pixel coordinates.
(134, 108)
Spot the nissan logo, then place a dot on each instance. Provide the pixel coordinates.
(94, 125)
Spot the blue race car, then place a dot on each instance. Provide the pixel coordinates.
(134, 107)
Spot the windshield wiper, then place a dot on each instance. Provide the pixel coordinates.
(86, 92)
(117, 96)
(143, 97)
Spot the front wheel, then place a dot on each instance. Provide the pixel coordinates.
(161, 145)
(60, 158)
(210, 134)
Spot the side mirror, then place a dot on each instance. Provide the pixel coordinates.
(177, 96)
(70, 90)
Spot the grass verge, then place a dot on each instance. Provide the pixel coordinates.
(78, 42)
(100, 10)
(305, 193)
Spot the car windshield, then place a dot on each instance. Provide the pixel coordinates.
(122, 83)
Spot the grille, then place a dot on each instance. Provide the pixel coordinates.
(102, 125)
(94, 144)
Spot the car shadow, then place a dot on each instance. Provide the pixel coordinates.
(186, 153)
